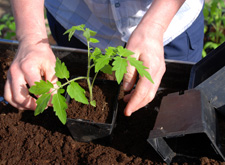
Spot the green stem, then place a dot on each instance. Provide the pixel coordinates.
(94, 79)
(69, 81)
(88, 73)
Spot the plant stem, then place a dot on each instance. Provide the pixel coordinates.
(88, 73)
(94, 79)
(69, 81)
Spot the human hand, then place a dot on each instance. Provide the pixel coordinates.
(148, 47)
(31, 63)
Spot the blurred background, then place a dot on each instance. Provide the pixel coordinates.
(214, 12)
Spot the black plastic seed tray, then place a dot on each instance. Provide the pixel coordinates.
(186, 126)
(206, 67)
(187, 123)
(85, 130)
(208, 75)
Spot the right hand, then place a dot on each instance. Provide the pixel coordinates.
(32, 62)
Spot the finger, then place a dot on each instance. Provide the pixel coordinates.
(31, 73)
(8, 96)
(20, 92)
(129, 78)
(127, 97)
(50, 74)
(22, 101)
(144, 93)
(139, 96)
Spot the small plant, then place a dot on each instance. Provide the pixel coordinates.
(7, 27)
(214, 29)
(119, 57)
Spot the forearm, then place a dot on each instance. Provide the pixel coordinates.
(160, 14)
(29, 18)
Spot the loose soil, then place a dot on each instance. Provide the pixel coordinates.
(104, 93)
(26, 139)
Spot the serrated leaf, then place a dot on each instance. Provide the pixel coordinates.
(61, 69)
(80, 27)
(107, 69)
(77, 92)
(101, 62)
(119, 66)
(94, 40)
(140, 68)
(111, 51)
(124, 52)
(96, 53)
(41, 87)
(60, 106)
(73, 29)
(42, 103)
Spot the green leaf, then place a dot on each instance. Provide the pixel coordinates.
(12, 26)
(211, 45)
(61, 69)
(87, 34)
(111, 51)
(213, 8)
(101, 62)
(2, 26)
(42, 103)
(205, 12)
(107, 69)
(94, 40)
(60, 106)
(203, 53)
(77, 92)
(140, 68)
(73, 29)
(96, 54)
(41, 87)
(92, 33)
(93, 103)
(119, 66)
(124, 52)
(61, 90)
(58, 83)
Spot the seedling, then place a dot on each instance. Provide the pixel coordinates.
(117, 56)
(7, 27)
(214, 17)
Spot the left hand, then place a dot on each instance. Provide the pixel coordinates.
(147, 43)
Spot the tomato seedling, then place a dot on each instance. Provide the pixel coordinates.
(117, 56)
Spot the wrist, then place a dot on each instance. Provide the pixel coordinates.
(151, 30)
(34, 39)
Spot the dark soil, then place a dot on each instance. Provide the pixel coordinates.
(26, 139)
(105, 94)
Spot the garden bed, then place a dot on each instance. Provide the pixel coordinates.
(26, 139)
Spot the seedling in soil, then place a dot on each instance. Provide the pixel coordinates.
(117, 56)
